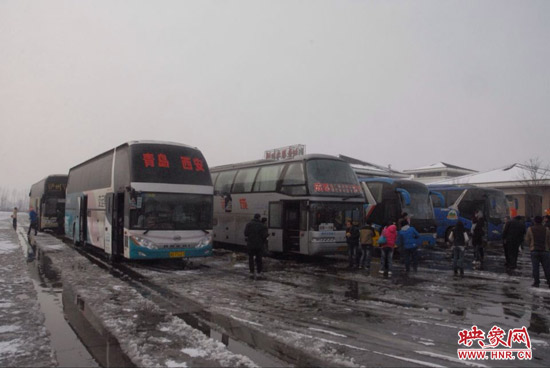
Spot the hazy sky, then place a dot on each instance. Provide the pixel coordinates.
(406, 83)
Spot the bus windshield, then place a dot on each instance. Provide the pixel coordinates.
(498, 207)
(331, 178)
(171, 211)
(333, 216)
(420, 206)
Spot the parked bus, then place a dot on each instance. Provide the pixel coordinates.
(306, 201)
(461, 202)
(388, 198)
(142, 200)
(48, 199)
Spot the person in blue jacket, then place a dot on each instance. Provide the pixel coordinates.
(407, 238)
(33, 217)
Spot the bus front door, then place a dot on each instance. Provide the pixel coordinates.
(80, 231)
(275, 220)
(114, 224)
(291, 226)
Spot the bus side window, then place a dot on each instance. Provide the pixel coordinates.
(224, 182)
(244, 180)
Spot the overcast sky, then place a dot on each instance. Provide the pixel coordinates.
(406, 83)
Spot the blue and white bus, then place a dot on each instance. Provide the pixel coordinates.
(142, 200)
(306, 200)
(461, 202)
(388, 198)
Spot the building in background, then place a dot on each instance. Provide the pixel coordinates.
(527, 188)
(437, 172)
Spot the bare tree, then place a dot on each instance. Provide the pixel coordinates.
(534, 177)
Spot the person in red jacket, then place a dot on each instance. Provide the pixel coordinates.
(386, 257)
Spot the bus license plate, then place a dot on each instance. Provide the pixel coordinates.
(177, 254)
(425, 242)
(342, 248)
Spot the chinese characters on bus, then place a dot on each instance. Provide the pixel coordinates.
(161, 160)
(336, 188)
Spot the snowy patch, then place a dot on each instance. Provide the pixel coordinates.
(7, 246)
(246, 321)
(194, 353)
(4, 329)
(434, 323)
(450, 358)
(10, 347)
(6, 305)
(327, 332)
(173, 364)
(539, 342)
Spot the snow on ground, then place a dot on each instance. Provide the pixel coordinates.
(148, 335)
(24, 340)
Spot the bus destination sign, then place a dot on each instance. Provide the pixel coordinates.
(285, 152)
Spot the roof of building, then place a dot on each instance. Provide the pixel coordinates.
(369, 169)
(515, 173)
(439, 166)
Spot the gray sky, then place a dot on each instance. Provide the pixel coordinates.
(406, 83)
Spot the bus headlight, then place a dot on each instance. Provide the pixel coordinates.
(206, 241)
(142, 242)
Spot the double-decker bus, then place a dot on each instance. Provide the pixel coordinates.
(47, 197)
(388, 198)
(306, 200)
(142, 200)
(462, 202)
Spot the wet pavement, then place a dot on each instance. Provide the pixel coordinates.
(302, 311)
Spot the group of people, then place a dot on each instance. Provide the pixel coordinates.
(33, 220)
(514, 235)
(361, 244)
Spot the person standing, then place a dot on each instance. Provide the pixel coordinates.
(459, 239)
(352, 239)
(256, 234)
(512, 235)
(538, 239)
(477, 238)
(366, 234)
(386, 257)
(407, 239)
(33, 217)
(14, 218)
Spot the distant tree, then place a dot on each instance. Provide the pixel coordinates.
(535, 177)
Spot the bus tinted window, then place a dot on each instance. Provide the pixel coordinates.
(376, 190)
(331, 177)
(267, 178)
(171, 164)
(294, 180)
(224, 182)
(451, 196)
(244, 180)
(91, 175)
(214, 177)
(172, 211)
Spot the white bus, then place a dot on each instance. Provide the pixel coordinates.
(142, 200)
(306, 201)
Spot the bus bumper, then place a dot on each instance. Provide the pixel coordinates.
(139, 252)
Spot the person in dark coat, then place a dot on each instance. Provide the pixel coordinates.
(352, 239)
(459, 240)
(256, 234)
(538, 240)
(477, 238)
(513, 234)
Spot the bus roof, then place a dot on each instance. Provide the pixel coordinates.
(131, 143)
(263, 162)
